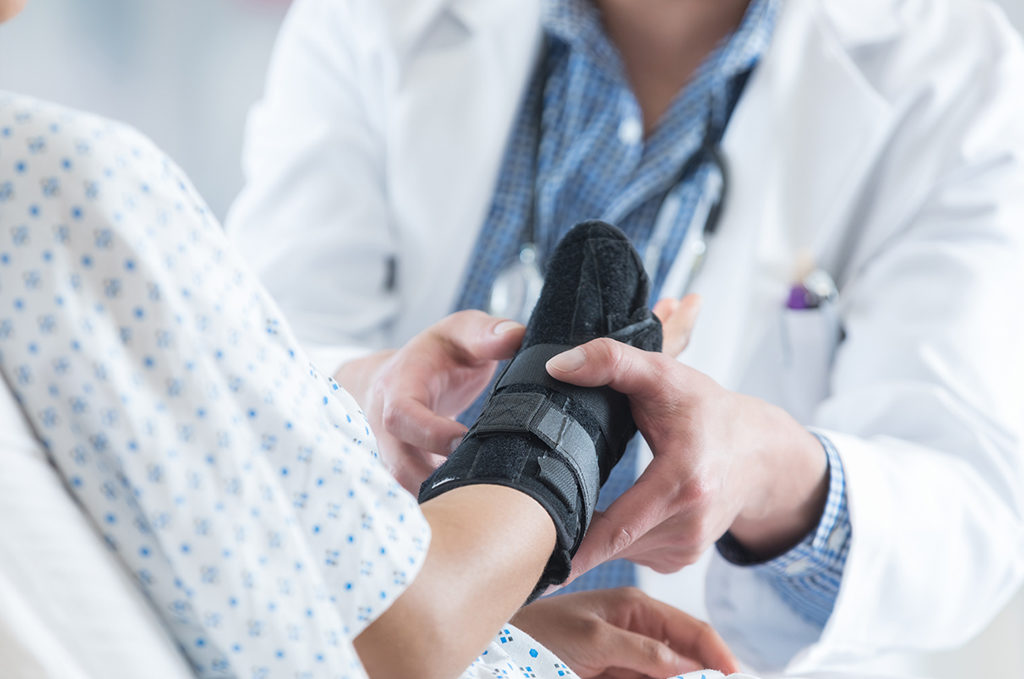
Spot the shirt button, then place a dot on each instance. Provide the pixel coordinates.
(631, 131)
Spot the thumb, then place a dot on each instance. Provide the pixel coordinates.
(624, 368)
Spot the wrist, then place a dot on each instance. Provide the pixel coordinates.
(788, 486)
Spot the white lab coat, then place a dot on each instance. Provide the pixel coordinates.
(884, 137)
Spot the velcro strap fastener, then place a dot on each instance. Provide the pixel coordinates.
(608, 408)
(536, 414)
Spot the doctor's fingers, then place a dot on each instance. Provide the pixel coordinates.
(472, 337)
(410, 466)
(678, 317)
(414, 424)
(415, 470)
(647, 504)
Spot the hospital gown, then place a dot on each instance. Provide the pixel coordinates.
(237, 484)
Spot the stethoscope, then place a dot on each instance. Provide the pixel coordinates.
(517, 286)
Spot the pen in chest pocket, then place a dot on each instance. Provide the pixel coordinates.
(812, 288)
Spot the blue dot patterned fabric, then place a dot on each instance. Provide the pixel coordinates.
(239, 485)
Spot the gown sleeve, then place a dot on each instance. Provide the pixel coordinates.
(237, 484)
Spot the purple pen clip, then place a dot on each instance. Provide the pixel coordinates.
(812, 291)
(797, 297)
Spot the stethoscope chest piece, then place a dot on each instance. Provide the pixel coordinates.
(517, 287)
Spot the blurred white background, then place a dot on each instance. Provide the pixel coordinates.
(186, 71)
(183, 71)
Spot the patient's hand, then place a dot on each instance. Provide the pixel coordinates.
(603, 632)
(412, 395)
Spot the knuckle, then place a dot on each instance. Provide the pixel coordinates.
(622, 538)
(619, 537)
(628, 598)
(705, 634)
(467, 319)
(434, 435)
(608, 351)
(458, 317)
(656, 653)
(632, 595)
(696, 495)
(591, 629)
(704, 628)
(391, 415)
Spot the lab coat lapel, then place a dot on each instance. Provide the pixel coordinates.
(466, 66)
(799, 145)
(411, 21)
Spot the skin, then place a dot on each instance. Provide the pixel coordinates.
(9, 8)
(662, 42)
(474, 578)
(722, 461)
(616, 632)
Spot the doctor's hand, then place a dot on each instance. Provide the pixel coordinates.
(412, 395)
(677, 316)
(624, 632)
(722, 462)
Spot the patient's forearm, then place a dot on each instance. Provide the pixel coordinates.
(488, 548)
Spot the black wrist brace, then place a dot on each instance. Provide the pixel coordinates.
(554, 441)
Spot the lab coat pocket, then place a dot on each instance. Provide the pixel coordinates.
(791, 366)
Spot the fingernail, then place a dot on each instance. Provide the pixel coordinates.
(456, 442)
(506, 326)
(569, 361)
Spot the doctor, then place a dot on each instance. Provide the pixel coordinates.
(408, 157)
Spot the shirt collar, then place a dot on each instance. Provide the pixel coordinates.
(577, 25)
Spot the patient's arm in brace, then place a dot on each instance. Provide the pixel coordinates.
(516, 496)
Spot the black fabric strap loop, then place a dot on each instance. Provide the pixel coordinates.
(536, 414)
(602, 408)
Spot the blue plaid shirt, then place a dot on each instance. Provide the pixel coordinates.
(578, 152)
